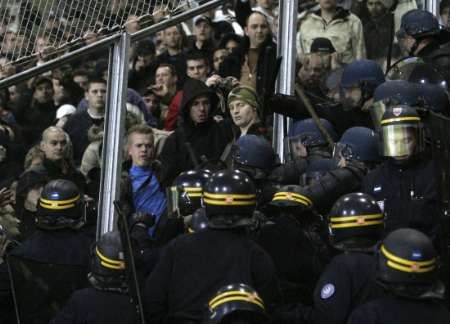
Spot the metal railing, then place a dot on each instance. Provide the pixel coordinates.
(118, 45)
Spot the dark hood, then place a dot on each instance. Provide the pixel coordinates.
(192, 89)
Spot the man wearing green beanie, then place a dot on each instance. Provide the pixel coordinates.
(244, 108)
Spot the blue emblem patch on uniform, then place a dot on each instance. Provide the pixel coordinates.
(327, 291)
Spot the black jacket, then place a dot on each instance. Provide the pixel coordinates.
(438, 55)
(178, 61)
(92, 306)
(299, 250)
(77, 127)
(65, 249)
(266, 68)
(347, 281)
(409, 195)
(141, 80)
(33, 118)
(334, 184)
(207, 140)
(394, 310)
(195, 266)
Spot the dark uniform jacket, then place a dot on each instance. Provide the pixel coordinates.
(65, 249)
(299, 252)
(195, 266)
(408, 194)
(394, 310)
(92, 306)
(347, 281)
(438, 54)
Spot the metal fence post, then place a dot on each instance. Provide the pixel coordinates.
(287, 24)
(432, 6)
(114, 133)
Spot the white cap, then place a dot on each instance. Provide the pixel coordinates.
(65, 110)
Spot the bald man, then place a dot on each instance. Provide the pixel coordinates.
(57, 162)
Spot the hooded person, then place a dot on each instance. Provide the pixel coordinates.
(199, 138)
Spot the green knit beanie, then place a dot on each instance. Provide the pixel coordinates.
(245, 94)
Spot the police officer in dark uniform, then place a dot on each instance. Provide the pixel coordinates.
(107, 300)
(184, 200)
(355, 153)
(405, 185)
(295, 238)
(236, 303)
(358, 144)
(355, 225)
(358, 82)
(53, 262)
(420, 35)
(407, 269)
(306, 145)
(194, 266)
(254, 156)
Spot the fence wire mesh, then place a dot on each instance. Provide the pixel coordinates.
(35, 31)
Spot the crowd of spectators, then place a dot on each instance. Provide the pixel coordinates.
(194, 89)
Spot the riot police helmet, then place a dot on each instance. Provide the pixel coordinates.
(230, 199)
(60, 206)
(393, 92)
(358, 144)
(292, 196)
(418, 23)
(236, 302)
(108, 263)
(355, 222)
(407, 263)
(308, 133)
(362, 72)
(401, 133)
(253, 153)
(187, 191)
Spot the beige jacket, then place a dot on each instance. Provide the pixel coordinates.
(345, 32)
